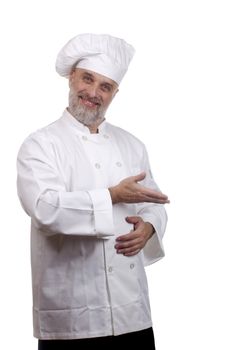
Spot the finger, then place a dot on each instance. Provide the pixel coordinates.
(153, 194)
(154, 197)
(127, 237)
(137, 242)
(155, 200)
(132, 253)
(139, 177)
(129, 251)
(132, 235)
(133, 219)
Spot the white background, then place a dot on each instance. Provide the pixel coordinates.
(177, 98)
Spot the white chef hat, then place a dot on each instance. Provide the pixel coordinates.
(100, 53)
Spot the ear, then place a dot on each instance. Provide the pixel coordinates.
(71, 77)
(115, 93)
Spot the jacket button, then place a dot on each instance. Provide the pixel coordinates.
(118, 164)
(110, 269)
(131, 266)
(97, 165)
(84, 138)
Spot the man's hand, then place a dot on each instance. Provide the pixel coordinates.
(131, 243)
(130, 191)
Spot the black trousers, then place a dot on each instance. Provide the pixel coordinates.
(144, 339)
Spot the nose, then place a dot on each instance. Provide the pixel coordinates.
(92, 90)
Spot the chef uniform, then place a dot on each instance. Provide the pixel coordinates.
(81, 287)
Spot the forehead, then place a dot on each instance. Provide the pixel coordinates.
(80, 72)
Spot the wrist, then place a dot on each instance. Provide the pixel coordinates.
(150, 229)
(113, 194)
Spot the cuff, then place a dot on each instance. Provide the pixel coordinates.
(102, 207)
(153, 250)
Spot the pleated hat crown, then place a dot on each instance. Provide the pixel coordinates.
(100, 53)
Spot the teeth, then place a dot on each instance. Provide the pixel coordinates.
(89, 103)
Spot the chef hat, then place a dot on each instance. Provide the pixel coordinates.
(100, 53)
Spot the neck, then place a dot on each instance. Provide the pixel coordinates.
(93, 129)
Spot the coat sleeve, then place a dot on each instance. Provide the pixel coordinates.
(43, 195)
(153, 213)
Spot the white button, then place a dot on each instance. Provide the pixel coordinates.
(97, 165)
(110, 269)
(106, 136)
(118, 164)
(131, 266)
(84, 138)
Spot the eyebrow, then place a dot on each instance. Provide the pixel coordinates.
(87, 74)
(105, 83)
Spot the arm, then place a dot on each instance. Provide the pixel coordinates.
(131, 243)
(150, 224)
(130, 191)
(44, 197)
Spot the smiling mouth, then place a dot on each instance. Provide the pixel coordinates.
(87, 102)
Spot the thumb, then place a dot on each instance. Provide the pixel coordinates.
(139, 177)
(132, 219)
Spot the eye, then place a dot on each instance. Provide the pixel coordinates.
(106, 87)
(87, 79)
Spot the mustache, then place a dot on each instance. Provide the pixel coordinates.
(96, 100)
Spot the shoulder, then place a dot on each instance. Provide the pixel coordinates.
(40, 139)
(126, 136)
(45, 132)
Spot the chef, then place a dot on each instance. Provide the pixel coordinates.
(97, 215)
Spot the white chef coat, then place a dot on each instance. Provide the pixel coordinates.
(81, 287)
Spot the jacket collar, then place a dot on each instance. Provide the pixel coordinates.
(79, 127)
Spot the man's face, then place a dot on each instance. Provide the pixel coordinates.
(90, 95)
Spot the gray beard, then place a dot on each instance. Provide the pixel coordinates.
(87, 117)
(83, 114)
